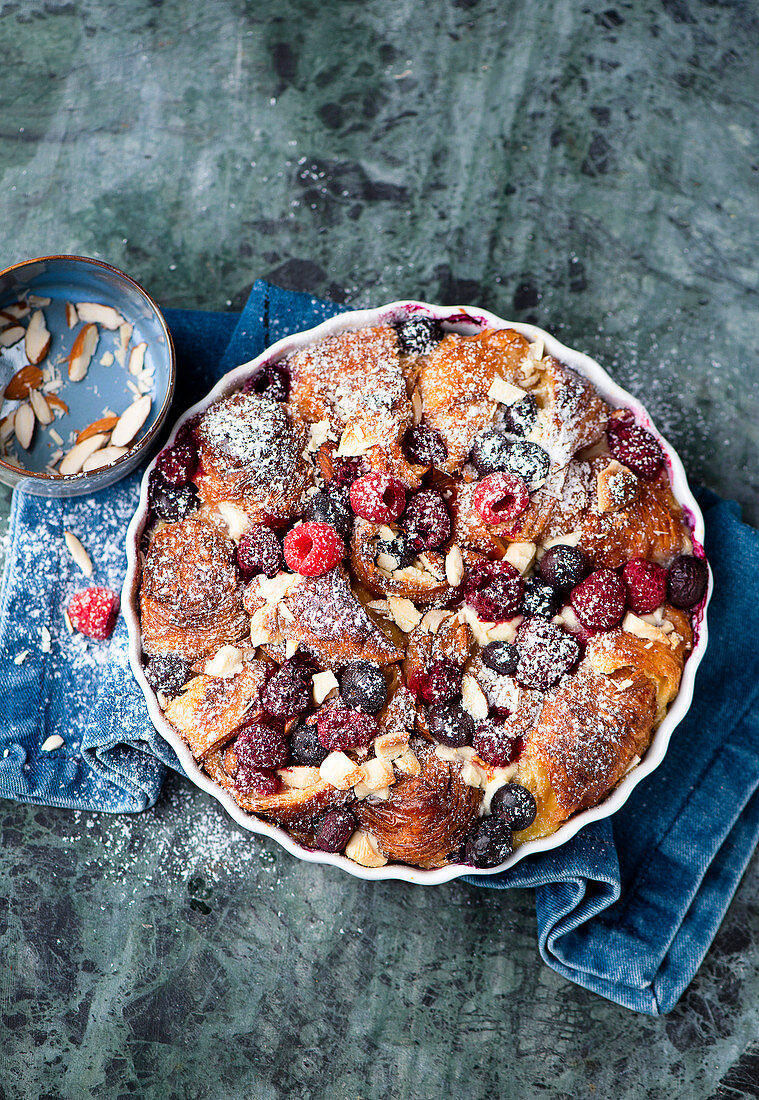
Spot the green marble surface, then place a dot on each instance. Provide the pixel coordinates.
(590, 166)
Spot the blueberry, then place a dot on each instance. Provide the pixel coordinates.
(270, 382)
(401, 549)
(329, 508)
(168, 673)
(563, 567)
(515, 805)
(520, 417)
(501, 657)
(489, 452)
(450, 725)
(489, 843)
(306, 748)
(171, 502)
(528, 461)
(363, 687)
(540, 600)
(336, 830)
(418, 335)
(686, 581)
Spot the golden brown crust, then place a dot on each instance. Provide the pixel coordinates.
(413, 583)
(210, 709)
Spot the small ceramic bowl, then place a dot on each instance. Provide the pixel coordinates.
(467, 320)
(128, 362)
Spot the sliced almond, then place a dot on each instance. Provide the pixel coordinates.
(82, 351)
(473, 698)
(137, 358)
(362, 848)
(56, 403)
(51, 743)
(6, 427)
(72, 317)
(78, 553)
(403, 611)
(36, 300)
(41, 407)
(98, 314)
(11, 335)
(23, 425)
(55, 437)
(105, 424)
(454, 566)
(131, 421)
(24, 380)
(103, 457)
(16, 310)
(300, 777)
(75, 459)
(106, 359)
(37, 342)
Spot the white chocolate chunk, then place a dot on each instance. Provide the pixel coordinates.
(322, 683)
(299, 777)
(340, 771)
(521, 555)
(225, 663)
(504, 393)
(363, 848)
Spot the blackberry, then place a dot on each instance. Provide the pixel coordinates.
(427, 519)
(168, 673)
(306, 748)
(424, 446)
(490, 451)
(528, 461)
(418, 335)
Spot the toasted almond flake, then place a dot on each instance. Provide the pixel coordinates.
(37, 341)
(21, 657)
(135, 389)
(37, 300)
(339, 771)
(45, 639)
(72, 317)
(99, 314)
(78, 552)
(454, 566)
(403, 611)
(363, 849)
(504, 393)
(137, 357)
(322, 683)
(105, 424)
(82, 351)
(41, 407)
(54, 459)
(67, 620)
(318, 433)
(378, 773)
(53, 742)
(106, 360)
(16, 310)
(408, 763)
(6, 427)
(57, 404)
(473, 698)
(27, 378)
(12, 335)
(78, 455)
(299, 777)
(416, 407)
(131, 421)
(355, 440)
(23, 425)
(225, 663)
(291, 648)
(391, 744)
(103, 457)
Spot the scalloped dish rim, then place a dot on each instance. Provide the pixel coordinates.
(462, 319)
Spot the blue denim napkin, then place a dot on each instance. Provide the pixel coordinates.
(627, 908)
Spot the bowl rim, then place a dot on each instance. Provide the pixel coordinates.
(80, 479)
(461, 318)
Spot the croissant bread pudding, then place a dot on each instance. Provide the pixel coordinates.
(416, 596)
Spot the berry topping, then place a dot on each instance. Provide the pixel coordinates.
(520, 417)
(168, 673)
(562, 567)
(345, 471)
(489, 843)
(646, 585)
(306, 748)
(313, 548)
(418, 335)
(540, 600)
(546, 652)
(635, 448)
(400, 549)
(336, 830)
(287, 692)
(261, 746)
(427, 519)
(494, 589)
(515, 805)
(93, 612)
(488, 455)
(271, 382)
(500, 498)
(501, 657)
(450, 725)
(171, 502)
(259, 781)
(378, 497)
(177, 464)
(363, 686)
(341, 728)
(424, 446)
(528, 461)
(442, 682)
(260, 551)
(599, 600)
(330, 508)
(493, 744)
(686, 581)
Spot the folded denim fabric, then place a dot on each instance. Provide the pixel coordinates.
(627, 908)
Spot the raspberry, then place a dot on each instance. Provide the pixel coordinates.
(636, 448)
(330, 508)
(500, 498)
(378, 497)
(171, 502)
(259, 551)
(540, 600)
(646, 585)
(341, 728)
(442, 683)
(313, 548)
(427, 519)
(494, 589)
(493, 744)
(177, 464)
(546, 652)
(418, 335)
(336, 830)
(515, 805)
(93, 612)
(424, 446)
(305, 747)
(562, 567)
(599, 601)
(687, 580)
(257, 781)
(489, 843)
(271, 382)
(288, 692)
(345, 471)
(520, 417)
(450, 725)
(260, 746)
(168, 673)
